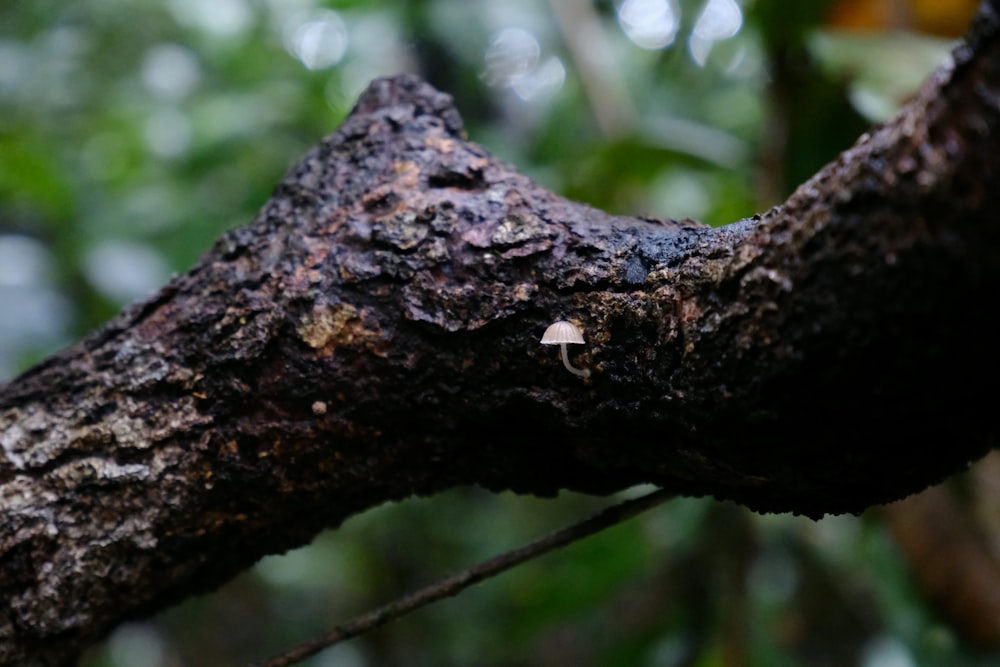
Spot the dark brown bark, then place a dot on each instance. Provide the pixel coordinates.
(374, 334)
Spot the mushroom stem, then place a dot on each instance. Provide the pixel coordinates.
(585, 373)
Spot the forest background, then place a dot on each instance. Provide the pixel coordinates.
(134, 132)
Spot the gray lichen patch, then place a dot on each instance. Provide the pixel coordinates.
(517, 228)
(403, 231)
(145, 362)
(39, 438)
(35, 437)
(100, 469)
(434, 252)
(22, 496)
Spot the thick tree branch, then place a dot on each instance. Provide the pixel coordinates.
(374, 334)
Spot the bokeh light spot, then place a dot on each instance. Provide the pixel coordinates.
(224, 18)
(124, 270)
(317, 39)
(650, 24)
(170, 71)
(512, 53)
(512, 61)
(719, 20)
(168, 133)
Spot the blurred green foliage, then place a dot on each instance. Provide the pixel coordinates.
(133, 132)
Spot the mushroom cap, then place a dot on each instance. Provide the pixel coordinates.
(562, 332)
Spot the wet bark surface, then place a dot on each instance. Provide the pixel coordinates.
(374, 334)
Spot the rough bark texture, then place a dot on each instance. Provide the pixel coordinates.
(374, 334)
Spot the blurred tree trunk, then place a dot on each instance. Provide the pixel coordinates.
(950, 536)
(374, 334)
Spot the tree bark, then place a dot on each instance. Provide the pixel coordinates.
(374, 334)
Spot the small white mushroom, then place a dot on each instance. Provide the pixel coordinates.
(561, 333)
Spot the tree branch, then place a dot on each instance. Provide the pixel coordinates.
(374, 334)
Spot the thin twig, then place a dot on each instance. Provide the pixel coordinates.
(455, 583)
